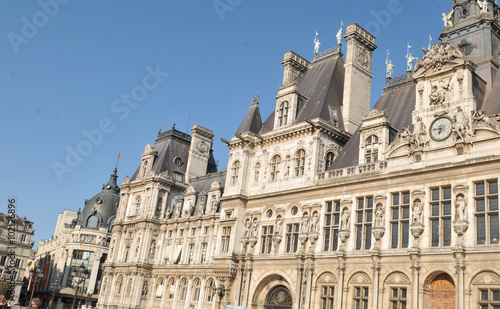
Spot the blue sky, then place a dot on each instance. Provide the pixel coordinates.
(67, 68)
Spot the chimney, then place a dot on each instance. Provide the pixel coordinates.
(294, 66)
(358, 76)
(199, 151)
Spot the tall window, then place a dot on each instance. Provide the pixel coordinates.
(332, 219)
(204, 247)
(364, 216)
(92, 221)
(441, 216)
(267, 239)
(327, 297)
(209, 290)
(486, 212)
(196, 291)
(183, 289)
(292, 237)
(226, 237)
(235, 171)
(400, 219)
(158, 207)
(489, 298)
(171, 290)
(137, 205)
(275, 167)
(361, 297)
(144, 168)
(300, 162)
(398, 298)
(119, 286)
(127, 252)
(190, 253)
(283, 114)
(371, 149)
(329, 160)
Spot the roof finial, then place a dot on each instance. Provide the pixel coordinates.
(255, 99)
(430, 43)
(317, 44)
(173, 126)
(339, 33)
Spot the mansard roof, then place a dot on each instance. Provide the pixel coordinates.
(398, 102)
(252, 121)
(488, 101)
(323, 87)
(203, 183)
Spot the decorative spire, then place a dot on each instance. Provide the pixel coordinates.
(112, 184)
(255, 99)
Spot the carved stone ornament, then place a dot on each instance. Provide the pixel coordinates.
(460, 227)
(416, 230)
(466, 47)
(362, 57)
(378, 232)
(461, 129)
(481, 120)
(438, 56)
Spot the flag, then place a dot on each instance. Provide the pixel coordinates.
(118, 155)
(83, 240)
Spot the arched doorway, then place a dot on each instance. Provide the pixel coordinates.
(279, 298)
(442, 292)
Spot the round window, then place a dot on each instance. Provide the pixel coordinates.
(269, 213)
(177, 161)
(295, 210)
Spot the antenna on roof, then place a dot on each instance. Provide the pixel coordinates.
(189, 119)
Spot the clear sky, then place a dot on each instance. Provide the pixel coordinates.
(81, 80)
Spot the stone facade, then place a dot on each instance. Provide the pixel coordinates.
(326, 208)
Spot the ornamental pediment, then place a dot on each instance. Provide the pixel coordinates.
(441, 57)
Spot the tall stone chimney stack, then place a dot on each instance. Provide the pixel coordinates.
(199, 151)
(358, 76)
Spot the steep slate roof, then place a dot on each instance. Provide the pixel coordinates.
(491, 102)
(252, 121)
(203, 183)
(323, 85)
(398, 103)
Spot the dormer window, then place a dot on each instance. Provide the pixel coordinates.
(275, 167)
(92, 221)
(300, 162)
(371, 149)
(137, 205)
(329, 160)
(235, 171)
(283, 114)
(144, 168)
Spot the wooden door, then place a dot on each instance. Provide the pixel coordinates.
(442, 292)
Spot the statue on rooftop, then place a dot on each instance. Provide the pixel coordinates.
(339, 33)
(447, 19)
(389, 66)
(317, 44)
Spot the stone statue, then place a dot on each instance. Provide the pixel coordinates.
(419, 137)
(314, 223)
(389, 66)
(483, 4)
(409, 58)
(417, 212)
(439, 92)
(461, 127)
(339, 33)
(480, 118)
(256, 174)
(344, 224)
(447, 19)
(248, 225)
(255, 225)
(460, 208)
(317, 44)
(379, 216)
(304, 224)
(278, 226)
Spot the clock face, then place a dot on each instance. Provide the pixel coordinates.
(441, 129)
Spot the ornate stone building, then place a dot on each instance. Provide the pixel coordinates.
(80, 238)
(327, 204)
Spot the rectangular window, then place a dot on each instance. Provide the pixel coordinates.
(2, 260)
(361, 297)
(190, 253)
(332, 219)
(398, 298)
(489, 298)
(327, 297)
(204, 247)
(266, 239)
(226, 237)
(363, 224)
(400, 219)
(127, 252)
(486, 212)
(440, 216)
(292, 237)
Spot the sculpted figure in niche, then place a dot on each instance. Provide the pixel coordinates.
(460, 208)
(248, 226)
(304, 224)
(255, 225)
(417, 212)
(278, 227)
(439, 92)
(461, 128)
(419, 138)
(314, 223)
(379, 216)
(344, 225)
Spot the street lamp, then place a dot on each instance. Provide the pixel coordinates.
(54, 287)
(35, 274)
(82, 273)
(221, 291)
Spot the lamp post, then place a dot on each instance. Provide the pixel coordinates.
(54, 287)
(89, 294)
(81, 272)
(221, 290)
(35, 274)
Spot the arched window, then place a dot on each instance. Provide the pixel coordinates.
(283, 114)
(275, 167)
(171, 285)
(196, 291)
(329, 160)
(209, 290)
(371, 151)
(119, 286)
(300, 162)
(92, 221)
(159, 288)
(235, 171)
(144, 168)
(137, 205)
(158, 207)
(183, 289)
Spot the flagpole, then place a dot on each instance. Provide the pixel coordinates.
(117, 159)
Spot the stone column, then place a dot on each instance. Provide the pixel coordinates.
(310, 272)
(247, 286)
(459, 254)
(164, 295)
(241, 274)
(376, 272)
(340, 286)
(300, 271)
(203, 285)
(176, 295)
(188, 293)
(415, 270)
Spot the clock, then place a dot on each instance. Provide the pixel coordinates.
(440, 129)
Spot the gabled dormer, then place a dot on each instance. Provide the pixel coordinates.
(147, 161)
(374, 137)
